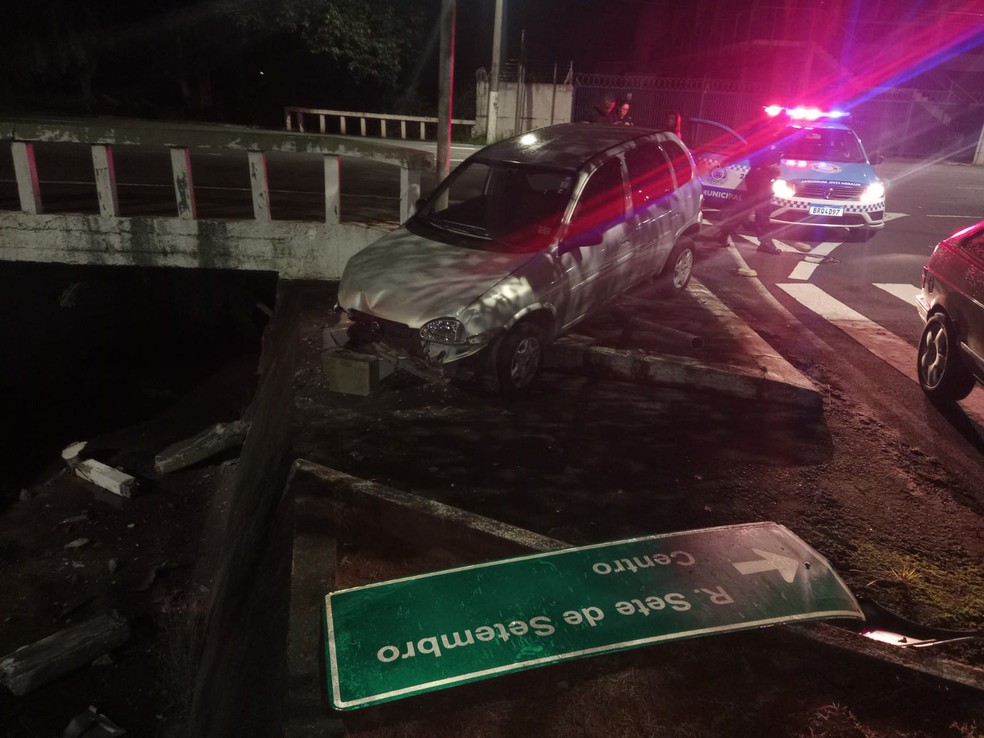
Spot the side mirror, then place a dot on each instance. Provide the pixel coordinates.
(876, 159)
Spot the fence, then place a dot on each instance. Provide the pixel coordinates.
(894, 122)
(370, 124)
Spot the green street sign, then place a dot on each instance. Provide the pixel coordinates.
(403, 637)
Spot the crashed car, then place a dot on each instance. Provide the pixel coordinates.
(826, 180)
(950, 359)
(523, 240)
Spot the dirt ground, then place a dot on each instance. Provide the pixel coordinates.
(605, 465)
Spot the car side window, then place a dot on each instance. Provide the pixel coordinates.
(680, 162)
(649, 173)
(602, 201)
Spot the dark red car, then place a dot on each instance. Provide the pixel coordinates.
(951, 348)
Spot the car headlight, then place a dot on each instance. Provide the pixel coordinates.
(873, 192)
(442, 330)
(782, 188)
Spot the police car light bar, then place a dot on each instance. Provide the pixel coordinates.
(801, 112)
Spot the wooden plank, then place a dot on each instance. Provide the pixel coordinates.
(219, 437)
(33, 666)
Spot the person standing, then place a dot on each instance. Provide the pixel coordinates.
(622, 117)
(757, 197)
(674, 123)
(604, 114)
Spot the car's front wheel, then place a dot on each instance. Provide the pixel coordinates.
(679, 267)
(942, 373)
(517, 358)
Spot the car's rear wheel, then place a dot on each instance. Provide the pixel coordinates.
(517, 358)
(679, 267)
(942, 373)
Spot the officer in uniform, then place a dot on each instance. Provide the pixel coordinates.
(757, 195)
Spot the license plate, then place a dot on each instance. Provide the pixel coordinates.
(826, 210)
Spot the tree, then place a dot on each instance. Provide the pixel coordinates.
(373, 40)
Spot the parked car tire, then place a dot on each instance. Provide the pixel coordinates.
(942, 373)
(679, 268)
(517, 359)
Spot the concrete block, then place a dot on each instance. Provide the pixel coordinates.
(117, 482)
(353, 373)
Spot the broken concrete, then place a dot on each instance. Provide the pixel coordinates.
(33, 666)
(218, 438)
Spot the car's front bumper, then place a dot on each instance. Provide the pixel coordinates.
(922, 305)
(402, 343)
(840, 213)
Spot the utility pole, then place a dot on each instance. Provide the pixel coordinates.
(445, 87)
(492, 117)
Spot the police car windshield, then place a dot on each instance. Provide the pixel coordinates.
(824, 144)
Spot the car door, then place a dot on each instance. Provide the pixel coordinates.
(683, 200)
(595, 240)
(651, 187)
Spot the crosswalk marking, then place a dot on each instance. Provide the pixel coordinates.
(805, 268)
(885, 345)
(905, 292)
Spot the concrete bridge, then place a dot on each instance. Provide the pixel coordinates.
(131, 193)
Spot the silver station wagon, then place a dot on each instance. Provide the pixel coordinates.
(523, 240)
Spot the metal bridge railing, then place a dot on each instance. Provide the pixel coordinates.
(369, 124)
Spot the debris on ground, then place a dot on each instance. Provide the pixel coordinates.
(34, 665)
(218, 438)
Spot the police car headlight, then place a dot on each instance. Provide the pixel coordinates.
(873, 192)
(782, 188)
(442, 330)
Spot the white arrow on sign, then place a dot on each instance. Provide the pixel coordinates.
(786, 566)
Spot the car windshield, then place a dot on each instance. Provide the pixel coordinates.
(508, 205)
(824, 144)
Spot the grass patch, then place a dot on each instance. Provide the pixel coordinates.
(953, 596)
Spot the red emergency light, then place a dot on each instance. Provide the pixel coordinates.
(803, 113)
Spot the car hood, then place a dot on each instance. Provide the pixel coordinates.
(410, 279)
(823, 171)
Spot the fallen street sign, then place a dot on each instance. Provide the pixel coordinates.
(403, 637)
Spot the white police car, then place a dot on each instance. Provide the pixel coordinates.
(826, 178)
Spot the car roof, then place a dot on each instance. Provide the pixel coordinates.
(566, 145)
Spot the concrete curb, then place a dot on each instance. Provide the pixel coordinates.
(769, 376)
